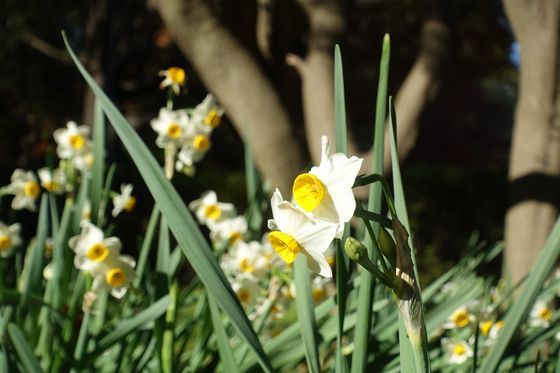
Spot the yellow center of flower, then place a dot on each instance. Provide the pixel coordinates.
(89, 159)
(330, 260)
(459, 350)
(285, 245)
(5, 242)
(213, 119)
(201, 142)
(234, 237)
(246, 265)
(177, 75)
(460, 318)
(31, 189)
(174, 131)
(115, 277)
(77, 142)
(130, 204)
(318, 294)
(213, 212)
(244, 296)
(485, 327)
(51, 186)
(545, 313)
(308, 191)
(97, 252)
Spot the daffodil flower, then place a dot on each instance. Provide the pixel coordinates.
(124, 201)
(196, 145)
(294, 232)
(246, 288)
(174, 77)
(460, 318)
(540, 315)
(208, 113)
(171, 127)
(457, 351)
(54, 181)
(83, 162)
(247, 258)
(115, 275)
(9, 239)
(209, 211)
(92, 249)
(326, 191)
(72, 140)
(25, 189)
(228, 231)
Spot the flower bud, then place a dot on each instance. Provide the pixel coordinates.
(355, 250)
(388, 247)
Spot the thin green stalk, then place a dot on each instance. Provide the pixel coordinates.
(168, 334)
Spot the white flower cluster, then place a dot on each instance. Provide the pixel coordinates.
(187, 132)
(249, 264)
(74, 144)
(101, 257)
(324, 202)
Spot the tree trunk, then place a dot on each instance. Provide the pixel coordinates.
(534, 169)
(232, 74)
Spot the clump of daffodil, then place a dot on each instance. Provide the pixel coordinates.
(124, 201)
(101, 257)
(196, 145)
(54, 181)
(294, 232)
(171, 127)
(25, 188)
(209, 211)
(326, 190)
(458, 352)
(174, 77)
(9, 239)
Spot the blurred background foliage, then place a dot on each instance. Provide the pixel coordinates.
(455, 177)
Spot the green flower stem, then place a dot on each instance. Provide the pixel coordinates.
(170, 96)
(374, 178)
(360, 212)
(358, 253)
(82, 337)
(386, 269)
(168, 334)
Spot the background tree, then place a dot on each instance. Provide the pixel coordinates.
(534, 169)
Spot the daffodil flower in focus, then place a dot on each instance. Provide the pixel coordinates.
(115, 275)
(25, 188)
(9, 239)
(171, 127)
(326, 191)
(293, 232)
(54, 181)
(124, 201)
(174, 77)
(208, 112)
(72, 140)
(209, 211)
(92, 249)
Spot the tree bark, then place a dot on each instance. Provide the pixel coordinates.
(232, 74)
(534, 169)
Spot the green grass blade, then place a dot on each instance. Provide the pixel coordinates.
(252, 180)
(341, 258)
(145, 248)
(98, 162)
(127, 326)
(527, 296)
(35, 269)
(306, 316)
(180, 221)
(406, 353)
(164, 249)
(365, 293)
(59, 249)
(224, 347)
(23, 350)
